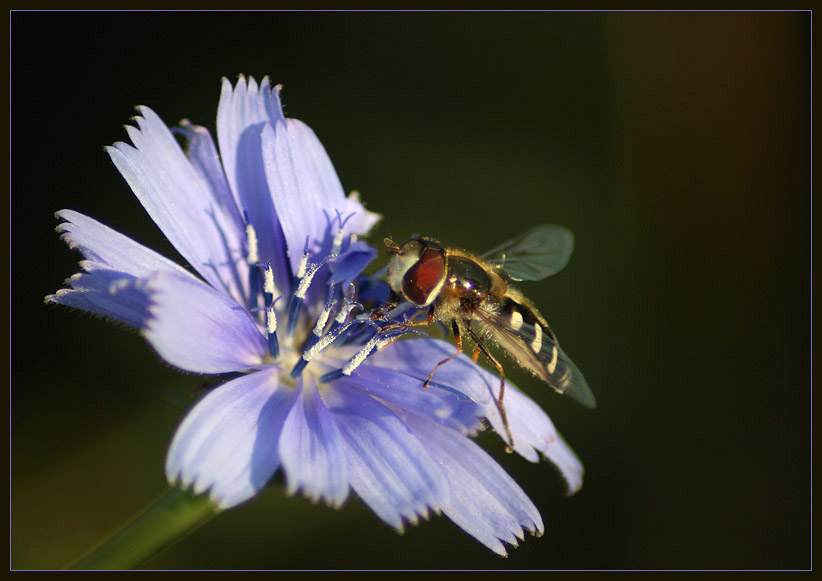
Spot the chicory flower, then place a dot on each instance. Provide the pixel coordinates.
(273, 302)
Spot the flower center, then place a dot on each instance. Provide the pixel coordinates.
(313, 319)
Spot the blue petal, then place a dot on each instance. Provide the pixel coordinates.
(241, 108)
(569, 465)
(227, 444)
(388, 467)
(350, 263)
(534, 433)
(202, 153)
(181, 202)
(418, 357)
(311, 449)
(241, 115)
(198, 329)
(108, 293)
(107, 249)
(322, 182)
(451, 409)
(485, 501)
(307, 194)
(372, 291)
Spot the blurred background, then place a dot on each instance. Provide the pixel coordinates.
(676, 146)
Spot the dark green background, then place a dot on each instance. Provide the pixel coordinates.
(676, 146)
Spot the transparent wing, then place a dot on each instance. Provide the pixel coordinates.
(535, 254)
(535, 349)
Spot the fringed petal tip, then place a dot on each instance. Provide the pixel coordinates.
(535, 437)
(317, 498)
(199, 487)
(504, 545)
(227, 443)
(247, 85)
(189, 489)
(249, 80)
(560, 454)
(111, 294)
(556, 451)
(414, 519)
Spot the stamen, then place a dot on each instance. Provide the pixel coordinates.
(345, 311)
(253, 245)
(302, 288)
(296, 301)
(271, 320)
(315, 349)
(349, 304)
(305, 282)
(299, 297)
(320, 345)
(271, 327)
(322, 319)
(268, 281)
(338, 240)
(344, 330)
(303, 261)
(359, 330)
(298, 368)
(338, 237)
(252, 259)
(293, 312)
(377, 342)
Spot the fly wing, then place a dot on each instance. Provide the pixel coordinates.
(535, 254)
(535, 348)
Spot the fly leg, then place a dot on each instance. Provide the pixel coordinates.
(404, 325)
(381, 312)
(458, 341)
(481, 347)
(428, 320)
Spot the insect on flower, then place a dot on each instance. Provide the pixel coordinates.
(474, 296)
(325, 397)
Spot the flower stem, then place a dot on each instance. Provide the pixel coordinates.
(170, 517)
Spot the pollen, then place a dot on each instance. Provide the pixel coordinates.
(361, 355)
(253, 256)
(271, 320)
(338, 240)
(268, 281)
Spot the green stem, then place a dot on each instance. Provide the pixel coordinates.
(171, 516)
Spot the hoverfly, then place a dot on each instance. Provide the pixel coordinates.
(474, 295)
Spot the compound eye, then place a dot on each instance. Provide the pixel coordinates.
(424, 277)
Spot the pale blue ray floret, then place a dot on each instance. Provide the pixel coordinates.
(275, 298)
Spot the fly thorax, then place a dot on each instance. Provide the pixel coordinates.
(467, 280)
